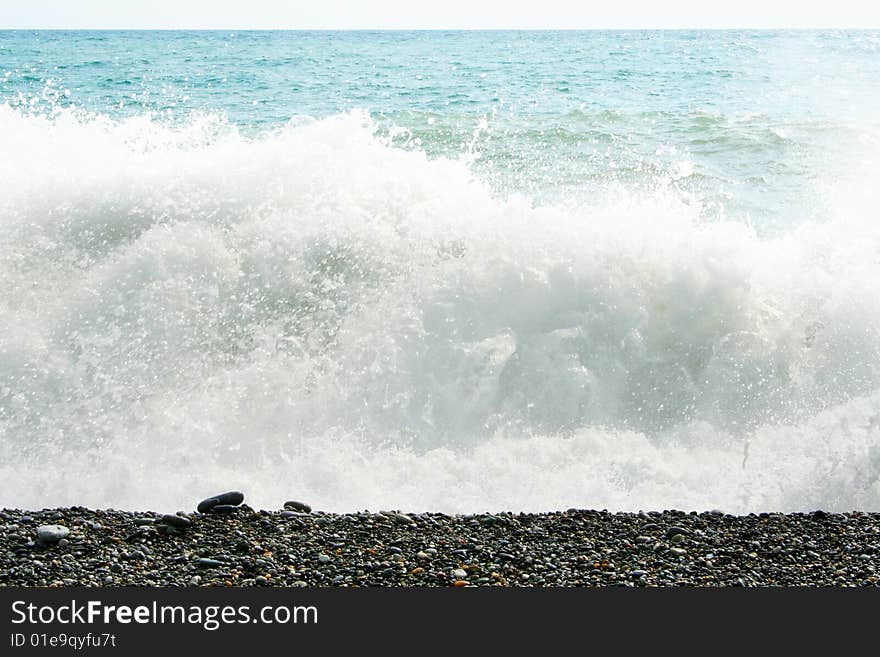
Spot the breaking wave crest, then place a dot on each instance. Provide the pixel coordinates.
(313, 313)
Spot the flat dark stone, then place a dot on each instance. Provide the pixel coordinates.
(223, 508)
(178, 522)
(232, 498)
(293, 505)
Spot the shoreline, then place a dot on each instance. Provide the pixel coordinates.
(245, 547)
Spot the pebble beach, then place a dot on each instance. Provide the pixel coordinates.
(231, 544)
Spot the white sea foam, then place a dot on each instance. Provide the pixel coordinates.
(312, 313)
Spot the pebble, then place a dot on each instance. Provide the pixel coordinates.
(178, 522)
(209, 563)
(293, 505)
(52, 533)
(233, 498)
(223, 508)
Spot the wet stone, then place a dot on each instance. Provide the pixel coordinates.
(177, 522)
(231, 498)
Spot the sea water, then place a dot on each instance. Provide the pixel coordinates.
(451, 271)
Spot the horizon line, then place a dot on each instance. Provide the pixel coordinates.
(440, 29)
(852, 28)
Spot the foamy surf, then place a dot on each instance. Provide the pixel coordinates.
(311, 312)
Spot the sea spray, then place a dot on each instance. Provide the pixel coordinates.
(312, 311)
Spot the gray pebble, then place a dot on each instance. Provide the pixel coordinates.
(52, 533)
(209, 563)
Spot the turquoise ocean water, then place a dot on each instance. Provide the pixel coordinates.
(441, 270)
